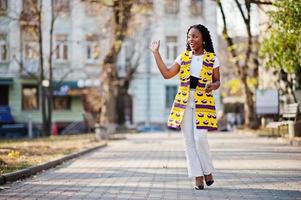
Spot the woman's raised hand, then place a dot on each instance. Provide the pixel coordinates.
(155, 45)
(166, 72)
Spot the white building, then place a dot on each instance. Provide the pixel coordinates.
(79, 34)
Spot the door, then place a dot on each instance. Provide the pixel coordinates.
(4, 95)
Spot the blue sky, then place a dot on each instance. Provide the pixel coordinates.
(236, 26)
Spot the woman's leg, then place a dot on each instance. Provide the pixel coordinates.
(203, 150)
(194, 167)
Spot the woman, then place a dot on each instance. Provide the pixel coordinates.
(193, 109)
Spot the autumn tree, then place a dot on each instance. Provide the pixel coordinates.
(281, 48)
(244, 56)
(31, 27)
(113, 85)
(31, 23)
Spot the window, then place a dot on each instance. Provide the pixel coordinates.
(30, 6)
(3, 48)
(196, 7)
(29, 14)
(3, 7)
(31, 50)
(61, 48)
(171, 6)
(31, 45)
(61, 6)
(171, 48)
(30, 97)
(93, 7)
(61, 103)
(4, 91)
(3, 51)
(92, 48)
(170, 92)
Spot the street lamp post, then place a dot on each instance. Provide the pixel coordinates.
(45, 96)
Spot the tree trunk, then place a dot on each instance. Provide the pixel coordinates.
(45, 127)
(109, 76)
(50, 89)
(109, 95)
(250, 115)
(251, 120)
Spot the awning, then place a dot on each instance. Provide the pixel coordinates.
(69, 84)
(62, 88)
(6, 81)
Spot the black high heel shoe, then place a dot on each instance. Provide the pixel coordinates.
(209, 182)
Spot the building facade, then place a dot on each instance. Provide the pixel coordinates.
(78, 35)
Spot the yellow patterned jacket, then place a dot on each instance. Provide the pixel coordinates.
(205, 114)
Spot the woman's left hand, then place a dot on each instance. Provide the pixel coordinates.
(209, 87)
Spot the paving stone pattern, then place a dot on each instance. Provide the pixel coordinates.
(152, 166)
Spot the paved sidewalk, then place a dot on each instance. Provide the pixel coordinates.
(152, 166)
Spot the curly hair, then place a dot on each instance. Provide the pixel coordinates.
(208, 46)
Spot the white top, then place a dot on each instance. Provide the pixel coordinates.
(197, 63)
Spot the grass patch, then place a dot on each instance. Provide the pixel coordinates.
(269, 132)
(23, 153)
(273, 132)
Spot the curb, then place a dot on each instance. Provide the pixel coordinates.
(24, 173)
(295, 141)
(117, 137)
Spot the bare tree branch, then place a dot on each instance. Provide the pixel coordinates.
(243, 68)
(227, 37)
(262, 2)
(241, 11)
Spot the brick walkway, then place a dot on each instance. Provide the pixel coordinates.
(152, 166)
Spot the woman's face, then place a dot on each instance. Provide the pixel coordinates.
(195, 39)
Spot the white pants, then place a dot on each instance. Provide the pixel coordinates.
(198, 157)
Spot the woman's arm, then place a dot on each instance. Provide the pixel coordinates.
(215, 81)
(167, 73)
